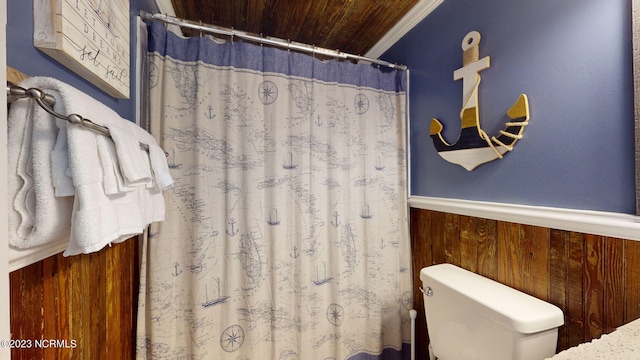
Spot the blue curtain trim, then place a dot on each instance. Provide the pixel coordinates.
(387, 354)
(270, 60)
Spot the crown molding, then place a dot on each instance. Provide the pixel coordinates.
(408, 21)
(165, 7)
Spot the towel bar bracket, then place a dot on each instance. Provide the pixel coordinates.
(47, 101)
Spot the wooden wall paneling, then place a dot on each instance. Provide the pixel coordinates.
(469, 243)
(56, 282)
(508, 258)
(488, 248)
(420, 232)
(49, 306)
(27, 286)
(614, 291)
(632, 286)
(80, 307)
(594, 286)
(537, 251)
(114, 310)
(558, 255)
(421, 253)
(89, 299)
(575, 290)
(436, 237)
(452, 238)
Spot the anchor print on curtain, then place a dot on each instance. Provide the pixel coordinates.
(286, 234)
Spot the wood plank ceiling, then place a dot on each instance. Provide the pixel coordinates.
(352, 26)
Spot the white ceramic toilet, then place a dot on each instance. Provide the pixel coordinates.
(470, 317)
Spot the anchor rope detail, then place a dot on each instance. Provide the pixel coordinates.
(474, 145)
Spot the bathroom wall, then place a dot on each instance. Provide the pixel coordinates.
(88, 299)
(22, 55)
(594, 279)
(573, 60)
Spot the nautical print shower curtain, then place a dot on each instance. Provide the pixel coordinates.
(286, 234)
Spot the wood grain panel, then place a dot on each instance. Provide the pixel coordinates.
(452, 239)
(614, 290)
(422, 254)
(632, 286)
(575, 290)
(351, 26)
(88, 299)
(487, 247)
(594, 286)
(595, 280)
(469, 235)
(558, 260)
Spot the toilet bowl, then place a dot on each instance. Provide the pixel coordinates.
(471, 317)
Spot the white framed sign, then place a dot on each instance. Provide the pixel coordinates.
(90, 37)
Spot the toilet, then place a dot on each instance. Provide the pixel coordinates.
(470, 317)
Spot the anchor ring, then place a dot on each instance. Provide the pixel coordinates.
(472, 39)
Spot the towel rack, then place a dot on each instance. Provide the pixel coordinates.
(47, 101)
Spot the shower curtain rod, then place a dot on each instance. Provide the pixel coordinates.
(208, 28)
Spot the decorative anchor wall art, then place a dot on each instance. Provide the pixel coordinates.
(474, 147)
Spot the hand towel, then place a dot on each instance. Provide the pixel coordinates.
(36, 215)
(133, 161)
(113, 180)
(62, 182)
(153, 156)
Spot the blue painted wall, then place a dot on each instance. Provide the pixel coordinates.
(22, 55)
(573, 60)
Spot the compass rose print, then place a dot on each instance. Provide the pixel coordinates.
(232, 338)
(335, 314)
(268, 92)
(407, 300)
(154, 73)
(361, 103)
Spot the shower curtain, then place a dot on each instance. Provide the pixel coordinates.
(286, 232)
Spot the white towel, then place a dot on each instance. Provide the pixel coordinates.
(113, 180)
(154, 157)
(133, 160)
(62, 182)
(36, 215)
(98, 218)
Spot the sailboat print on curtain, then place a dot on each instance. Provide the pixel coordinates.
(289, 172)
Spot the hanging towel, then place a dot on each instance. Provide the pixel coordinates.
(62, 182)
(133, 160)
(154, 157)
(113, 180)
(36, 215)
(99, 218)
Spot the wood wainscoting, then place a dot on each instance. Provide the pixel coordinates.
(595, 280)
(86, 304)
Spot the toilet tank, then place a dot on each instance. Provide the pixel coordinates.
(470, 317)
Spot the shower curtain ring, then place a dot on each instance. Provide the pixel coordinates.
(200, 28)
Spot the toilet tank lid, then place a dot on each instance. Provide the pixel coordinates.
(508, 306)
